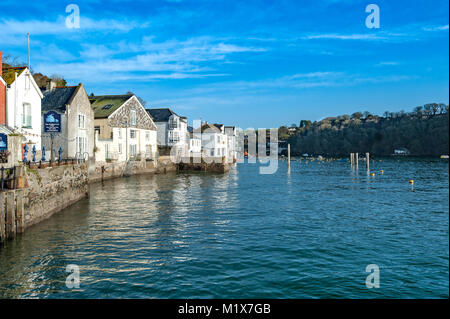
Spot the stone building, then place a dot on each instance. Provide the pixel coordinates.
(123, 129)
(77, 122)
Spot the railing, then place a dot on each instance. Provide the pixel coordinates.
(57, 162)
(173, 125)
(8, 176)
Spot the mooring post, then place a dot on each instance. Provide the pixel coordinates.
(367, 161)
(10, 215)
(289, 154)
(351, 159)
(20, 217)
(2, 218)
(357, 159)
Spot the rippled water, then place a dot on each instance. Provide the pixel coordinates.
(307, 234)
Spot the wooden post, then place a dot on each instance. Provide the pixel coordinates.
(2, 218)
(10, 215)
(367, 161)
(20, 217)
(289, 154)
(351, 159)
(357, 159)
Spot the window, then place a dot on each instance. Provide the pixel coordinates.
(107, 151)
(132, 117)
(132, 134)
(133, 150)
(26, 115)
(97, 129)
(107, 107)
(173, 123)
(80, 120)
(218, 139)
(147, 136)
(81, 145)
(120, 148)
(120, 133)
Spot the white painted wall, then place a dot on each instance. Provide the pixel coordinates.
(143, 140)
(214, 144)
(195, 145)
(24, 90)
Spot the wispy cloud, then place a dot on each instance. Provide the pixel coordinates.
(436, 28)
(149, 60)
(58, 26)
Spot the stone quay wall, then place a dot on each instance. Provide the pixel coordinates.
(49, 190)
(212, 164)
(44, 192)
(106, 171)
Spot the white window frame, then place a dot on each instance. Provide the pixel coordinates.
(133, 117)
(81, 120)
(26, 115)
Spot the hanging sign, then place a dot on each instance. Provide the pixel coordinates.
(52, 122)
(3, 142)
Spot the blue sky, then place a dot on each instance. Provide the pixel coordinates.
(245, 63)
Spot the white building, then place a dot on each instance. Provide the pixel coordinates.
(232, 142)
(23, 104)
(214, 140)
(195, 142)
(123, 129)
(172, 128)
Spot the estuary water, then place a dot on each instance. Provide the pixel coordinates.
(305, 233)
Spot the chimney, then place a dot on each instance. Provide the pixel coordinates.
(50, 85)
(2, 94)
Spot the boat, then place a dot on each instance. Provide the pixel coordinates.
(444, 156)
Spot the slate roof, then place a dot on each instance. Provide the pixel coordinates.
(8, 74)
(57, 98)
(161, 115)
(105, 105)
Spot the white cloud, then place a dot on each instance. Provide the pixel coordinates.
(39, 27)
(436, 28)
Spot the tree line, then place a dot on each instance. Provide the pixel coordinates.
(423, 132)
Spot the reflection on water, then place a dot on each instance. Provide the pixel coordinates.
(309, 233)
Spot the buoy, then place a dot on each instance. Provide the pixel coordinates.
(381, 171)
(372, 174)
(411, 181)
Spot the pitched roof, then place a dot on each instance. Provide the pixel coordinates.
(161, 115)
(8, 74)
(58, 98)
(208, 128)
(105, 105)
